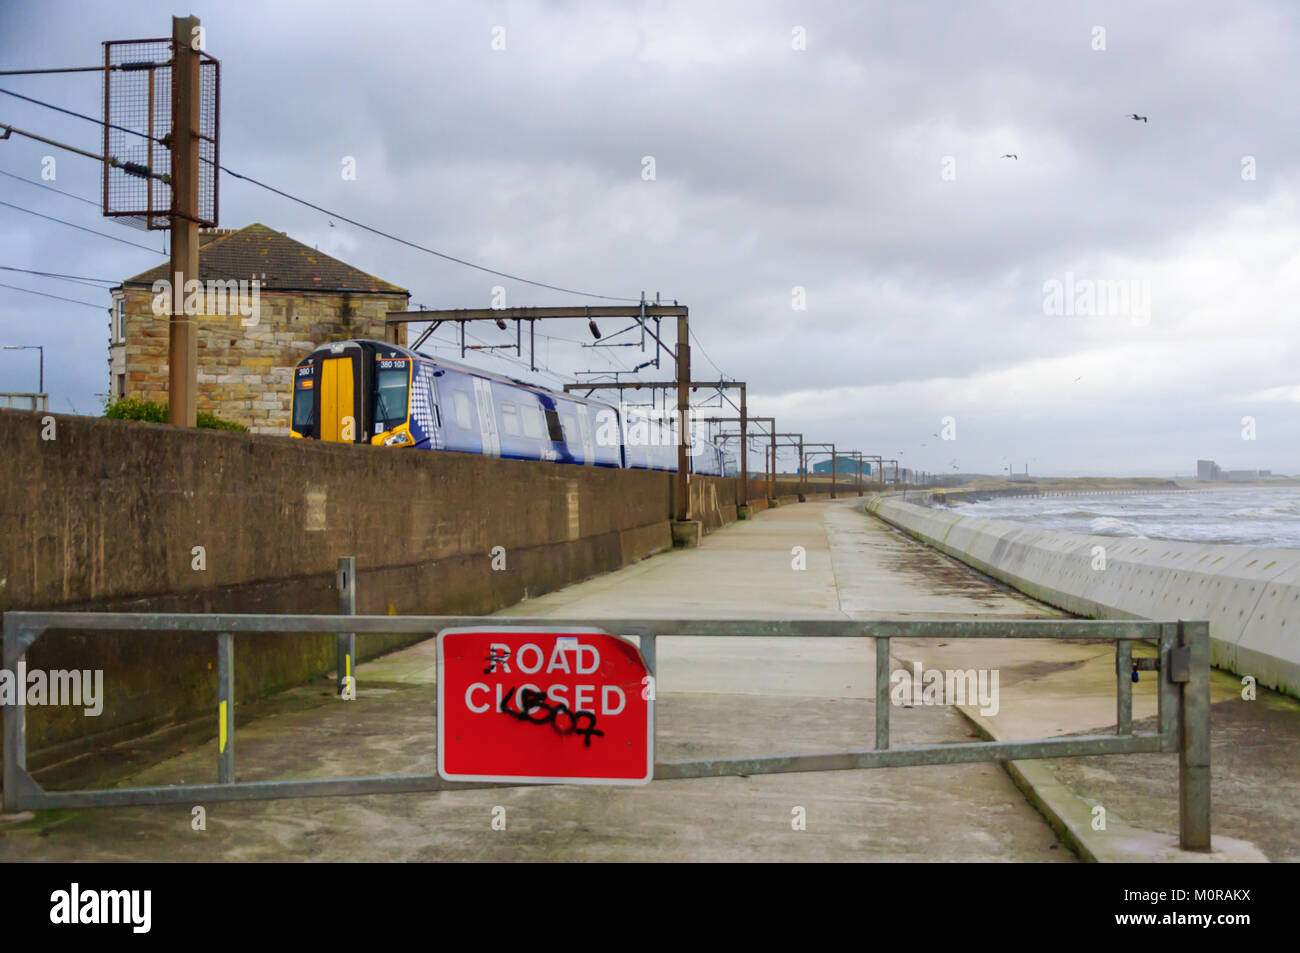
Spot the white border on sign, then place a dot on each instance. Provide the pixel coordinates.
(506, 628)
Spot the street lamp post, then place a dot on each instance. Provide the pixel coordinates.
(32, 347)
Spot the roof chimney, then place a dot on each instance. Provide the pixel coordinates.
(207, 235)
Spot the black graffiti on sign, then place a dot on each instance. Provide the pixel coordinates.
(533, 704)
(493, 658)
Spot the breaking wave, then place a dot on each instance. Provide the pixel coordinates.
(1247, 516)
(1112, 526)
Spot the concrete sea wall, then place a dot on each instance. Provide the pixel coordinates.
(1250, 595)
(1032, 490)
(108, 515)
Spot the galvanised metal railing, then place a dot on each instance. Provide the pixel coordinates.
(1183, 722)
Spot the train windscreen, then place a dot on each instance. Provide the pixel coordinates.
(304, 402)
(391, 389)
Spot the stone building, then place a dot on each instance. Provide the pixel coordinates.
(250, 334)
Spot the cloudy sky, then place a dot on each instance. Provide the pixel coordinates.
(828, 197)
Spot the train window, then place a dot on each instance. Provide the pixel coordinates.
(553, 428)
(570, 428)
(464, 416)
(390, 397)
(510, 419)
(532, 421)
(304, 406)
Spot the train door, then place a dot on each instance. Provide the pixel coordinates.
(487, 417)
(340, 396)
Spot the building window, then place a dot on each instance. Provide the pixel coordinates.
(120, 386)
(119, 320)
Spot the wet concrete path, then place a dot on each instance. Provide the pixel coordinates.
(1053, 689)
(799, 696)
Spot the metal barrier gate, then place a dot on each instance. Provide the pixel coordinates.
(1183, 723)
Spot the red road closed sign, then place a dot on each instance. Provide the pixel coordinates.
(564, 706)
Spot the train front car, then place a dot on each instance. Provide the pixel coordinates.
(386, 395)
(360, 392)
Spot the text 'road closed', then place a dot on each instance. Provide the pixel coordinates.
(542, 706)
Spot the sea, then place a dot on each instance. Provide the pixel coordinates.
(1247, 516)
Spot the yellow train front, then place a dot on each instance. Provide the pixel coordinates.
(354, 392)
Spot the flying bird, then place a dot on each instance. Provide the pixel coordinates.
(1077, 379)
(1010, 155)
(1135, 117)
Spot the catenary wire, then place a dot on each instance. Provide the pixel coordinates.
(46, 294)
(82, 228)
(80, 279)
(42, 185)
(340, 216)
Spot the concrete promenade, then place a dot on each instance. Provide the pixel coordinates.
(798, 696)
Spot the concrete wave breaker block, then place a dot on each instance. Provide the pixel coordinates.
(1250, 595)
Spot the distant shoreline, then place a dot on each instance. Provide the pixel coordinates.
(1082, 484)
(1050, 484)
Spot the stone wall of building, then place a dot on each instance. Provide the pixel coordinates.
(245, 372)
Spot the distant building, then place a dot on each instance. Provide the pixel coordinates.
(1207, 471)
(245, 361)
(848, 466)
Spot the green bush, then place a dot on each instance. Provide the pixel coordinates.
(137, 408)
(154, 411)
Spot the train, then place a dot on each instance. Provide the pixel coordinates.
(386, 395)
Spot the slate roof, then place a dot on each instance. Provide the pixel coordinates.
(281, 263)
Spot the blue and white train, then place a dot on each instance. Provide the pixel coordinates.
(383, 394)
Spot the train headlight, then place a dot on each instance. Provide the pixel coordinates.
(397, 439)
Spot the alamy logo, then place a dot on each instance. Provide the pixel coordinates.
(1088, 298)
(80, 688)
(213, 298)
(133, 907)
(945, 687)
(643, 430)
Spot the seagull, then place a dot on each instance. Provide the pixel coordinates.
(331, 223)
(1077, 379)
(1010, 155)
(1135, 117)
